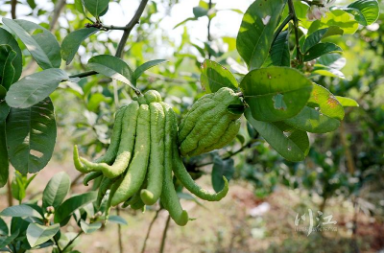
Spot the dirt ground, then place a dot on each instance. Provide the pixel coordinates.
(240, 223)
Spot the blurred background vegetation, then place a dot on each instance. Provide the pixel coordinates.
(342, 176)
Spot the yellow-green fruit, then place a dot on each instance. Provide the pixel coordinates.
(207, 124)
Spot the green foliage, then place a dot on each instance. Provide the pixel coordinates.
(214, 76)
(42, 45)
(39, 125)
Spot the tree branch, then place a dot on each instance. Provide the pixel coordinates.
(129, 27)
(59, 6)
(13, 8)
(165, 234)
(209, 28)
(281, 27)
(149, 230)
(71, 241)
(292, 12)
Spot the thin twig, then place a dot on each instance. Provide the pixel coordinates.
(129, 27)
(281, 27)
(9, 192)
(121, 249)
(209, 28)
(149, 230)
(296, 27)
(246, 146)
(165, 234)
(13, 8)
(71, 241)
(59, 6)
(76, 179)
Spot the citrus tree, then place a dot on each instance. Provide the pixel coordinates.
(275, 73)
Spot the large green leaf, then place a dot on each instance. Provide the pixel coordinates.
(39, 41)
(145, 66)
(365, 11)
(337, 18)
(275, 93)
(31, 136)
(96, 7)
(20, 211)
(56, 190)
(321, 49)
(257, 29)
(214, 76)
(347, 102)
(111, 66)
(327, 71)
(293, 147)
(34, 88)
(72, 42)
(318, 35)
(38, 234)
(7, 66)
(7, 39)
(4, 164)
(72, 204)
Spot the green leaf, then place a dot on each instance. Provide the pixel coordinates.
(18, 186)
(293, 147)
(90, 228)
(38, 234)
(321, 49)
(317, 36)
(4, 241)
(313, 121)
(32, 4)
(31, 136)
(111, 66)
(72, 42)
(3, 92)
(257, 29)
(3, 228)
(34, 88)
(334, 61)
(280, 55)
(72, 204)
(96, 7)
(20, 211)
(7, 39)
(56, 190)
(337, 18)
(221, 168)
(199, 12)
(214, 76)
(347, 102)
(4, 163)
(326, 102)
(184, 21)
(40, 42)
(7, 66)
(327, 71)
(275, 93)
(366, 12)
(117, 219)
(145, 66)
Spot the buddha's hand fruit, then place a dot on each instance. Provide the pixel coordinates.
(212, 123)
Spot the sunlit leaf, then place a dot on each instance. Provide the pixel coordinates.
(96, 7)
(214, 76)
(347, 102)
(257, 29)
(275, 93)
(38, 234)
(40, 42)
(34, 88)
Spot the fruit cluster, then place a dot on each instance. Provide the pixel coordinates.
(137, 167)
